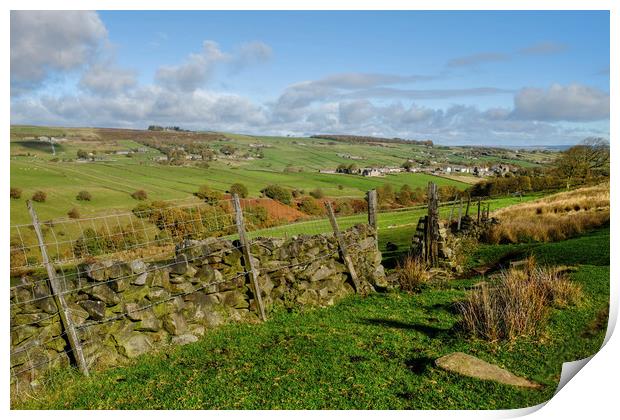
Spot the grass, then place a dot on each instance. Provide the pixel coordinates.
(366, 353)
(517, 303)
(552, 218)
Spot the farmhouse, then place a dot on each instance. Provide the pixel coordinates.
(371, 172)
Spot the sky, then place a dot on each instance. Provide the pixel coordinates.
(501, 78)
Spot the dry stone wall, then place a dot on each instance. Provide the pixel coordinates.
(125, 308)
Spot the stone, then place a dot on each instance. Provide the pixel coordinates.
(234, 299)
(103, 293)
(175, 324)
(322, 273)
(158, 278)
(181, 340)
(471, 366)
(155, 295)
(137, 266)
(118, 269)
(78, 314)
(140, 279)
(120, 285)
(95, 309)
(133, 345)
(148, 323)
(97, 271)
(180, 266)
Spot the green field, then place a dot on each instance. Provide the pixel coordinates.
(376, 352)
(291, 162)
(111, 183)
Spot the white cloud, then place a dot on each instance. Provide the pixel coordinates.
(46, 41)
(250, 54)
(106, 79)
(562, 103)
(194, 72)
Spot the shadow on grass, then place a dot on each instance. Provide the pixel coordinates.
(428, 330)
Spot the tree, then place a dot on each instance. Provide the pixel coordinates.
(588, 159)
(277, 193)
(228, 150)
(209, 195)
(139, 195)
(407, 165)
(39, 196)
(239, 189)
(317, 193)
(82, 154)
(84, 196)
(16, 193)
(310, 206)
(74, 213)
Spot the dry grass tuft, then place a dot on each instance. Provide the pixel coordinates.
(413, 274)
(518, 304)
(553, 218)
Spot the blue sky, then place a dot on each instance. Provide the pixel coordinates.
(502, 78)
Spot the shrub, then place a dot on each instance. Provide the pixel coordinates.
(278, 193)
(317, 193)
(84, 196)
(340, 187)
(74, 213)
(139, 195)
(142, 210)
(518, 304)
(310, 206)
(209, 195)
(39, 196)
(412, 274)
(239, 189)
(16, 193)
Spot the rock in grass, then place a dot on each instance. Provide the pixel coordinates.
(471, 366)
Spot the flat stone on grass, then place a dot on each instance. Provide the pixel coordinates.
(467, 365)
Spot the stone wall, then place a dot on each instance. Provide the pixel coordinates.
(125, 308)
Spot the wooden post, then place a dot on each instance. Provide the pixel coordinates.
(342, 246)
(452, 210)
(371, 198)
(458, 225)
(63, 309)
(478, 210)
(247, 256)
(468, 203)
(432, 225)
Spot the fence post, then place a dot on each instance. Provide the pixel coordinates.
(452, 210)
(59, 298)
(478, 221)
(432, 224)
(247, 256)
(468, 203)
(371, 197)
(458, 226)
(342, 246)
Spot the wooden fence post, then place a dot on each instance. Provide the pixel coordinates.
(342, 246)
(59, 298)
(468, 203)
(452, 210)
(247, 256)
(458, 226)
(371, 198)
(432, 225)
(478, 221)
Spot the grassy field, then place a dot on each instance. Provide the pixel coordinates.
(365, 353)
(291, 162)
(111, 183)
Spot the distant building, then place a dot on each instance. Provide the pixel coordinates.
(371, 172)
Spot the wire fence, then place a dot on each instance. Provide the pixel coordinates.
(80, 254)
(155, 234)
